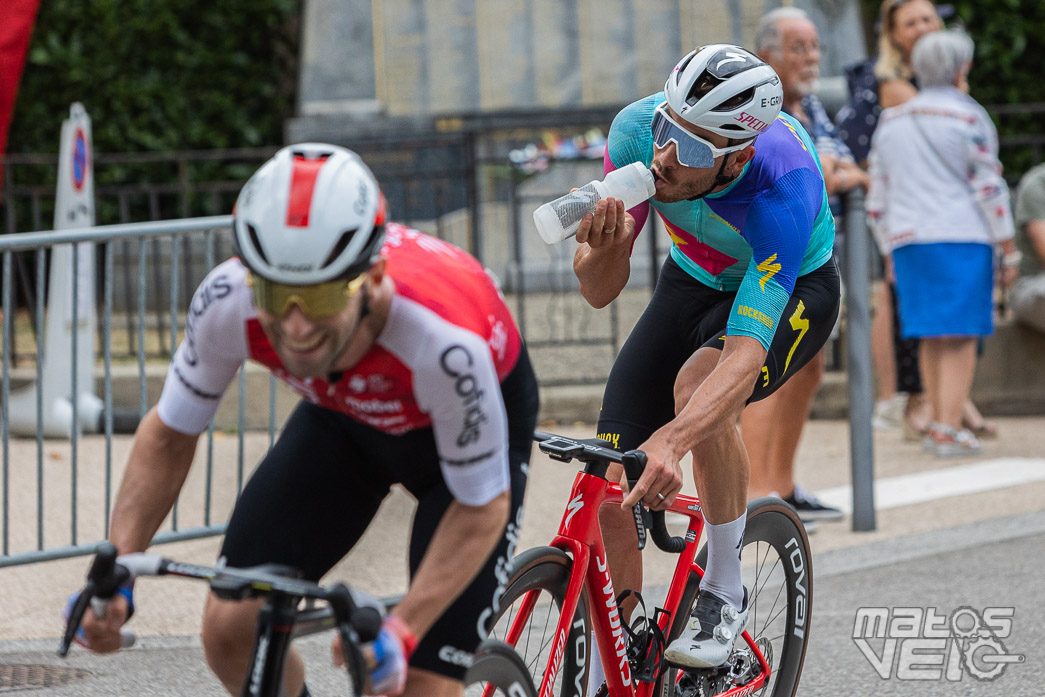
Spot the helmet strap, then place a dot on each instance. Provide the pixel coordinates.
(365, 310)
(720, 180)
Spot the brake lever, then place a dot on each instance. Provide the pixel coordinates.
(101, 584)
(640, 514)
(354, 659)
(72, 625)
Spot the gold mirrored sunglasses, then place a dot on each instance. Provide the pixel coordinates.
(319, 300)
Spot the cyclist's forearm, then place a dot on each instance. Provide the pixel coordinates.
(602, 273)
(156, 469)
(460, 547)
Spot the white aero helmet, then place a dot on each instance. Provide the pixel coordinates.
(725, 89)
(311, 214)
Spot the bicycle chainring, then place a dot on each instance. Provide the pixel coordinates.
(739, 670)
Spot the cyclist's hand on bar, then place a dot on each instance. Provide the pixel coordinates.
(663, 475)
(386, 657)
(102, 634)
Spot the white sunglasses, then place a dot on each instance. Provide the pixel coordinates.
(691, 149)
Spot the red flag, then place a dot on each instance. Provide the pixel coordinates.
(16, 26)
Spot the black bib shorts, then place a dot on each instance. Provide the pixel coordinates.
(684, 315)
(316, 492)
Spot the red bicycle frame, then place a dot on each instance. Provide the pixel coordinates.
(580, 536)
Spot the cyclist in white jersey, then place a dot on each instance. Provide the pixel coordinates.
(411, 371)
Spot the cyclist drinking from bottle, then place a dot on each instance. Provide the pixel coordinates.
(747, 296)
(412, 372)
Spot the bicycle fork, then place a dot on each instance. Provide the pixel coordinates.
(275, 626)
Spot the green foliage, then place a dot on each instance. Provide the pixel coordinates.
(1007, 66)
(160, 74)
(156, 75)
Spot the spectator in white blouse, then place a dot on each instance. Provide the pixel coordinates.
(938, 203)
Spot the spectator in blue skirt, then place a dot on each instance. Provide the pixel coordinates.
(939, 204)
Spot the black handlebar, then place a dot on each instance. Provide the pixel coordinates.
(356, 624)
(634, 461)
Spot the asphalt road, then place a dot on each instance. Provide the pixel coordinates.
(993, 564)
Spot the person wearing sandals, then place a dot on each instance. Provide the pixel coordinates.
(939, 205)
(876, 84)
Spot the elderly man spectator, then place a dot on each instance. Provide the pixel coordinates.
(939, 204)
(1028, 295)
(788, 41)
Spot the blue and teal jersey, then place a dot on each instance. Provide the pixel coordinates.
(756, 237)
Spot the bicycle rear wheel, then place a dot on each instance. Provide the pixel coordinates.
(778, 577)
(545, 571)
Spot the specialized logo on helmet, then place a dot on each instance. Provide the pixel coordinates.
(731, 57)
(729, 62)
(747, 119)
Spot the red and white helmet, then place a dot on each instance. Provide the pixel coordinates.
(313, 213)
(725, 89)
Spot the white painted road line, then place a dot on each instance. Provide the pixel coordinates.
(960, 480)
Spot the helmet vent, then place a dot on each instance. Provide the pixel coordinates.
(736, 100)
(321, 156)
(256, 242)
(682, 67)
(342, 243)
(703, 84)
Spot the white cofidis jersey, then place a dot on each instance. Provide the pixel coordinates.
(448, 343)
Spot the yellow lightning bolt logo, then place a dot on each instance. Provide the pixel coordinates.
(675, 238)
(769, 269)
(801, 325)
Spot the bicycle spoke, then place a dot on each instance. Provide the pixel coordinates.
(760, 563)
(547, 619)
(778, 613)
(780, 589)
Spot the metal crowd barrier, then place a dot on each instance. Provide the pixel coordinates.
(63, 490)
(53, 488)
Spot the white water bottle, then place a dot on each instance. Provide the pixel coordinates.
(560, 218)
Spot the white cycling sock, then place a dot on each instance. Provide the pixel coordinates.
(722, 575)
(596, 673)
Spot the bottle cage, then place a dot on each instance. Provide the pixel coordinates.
(645, 640)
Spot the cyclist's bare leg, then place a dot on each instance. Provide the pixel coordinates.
(622, 550)
(720, 473)
(425, 683)
(772, 429)
(720, 463)
(228, 640)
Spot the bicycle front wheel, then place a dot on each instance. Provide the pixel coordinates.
(778, 577)
(498, 671)
(544, 571)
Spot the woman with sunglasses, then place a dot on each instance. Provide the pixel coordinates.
(748, 295)
(412, 372)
